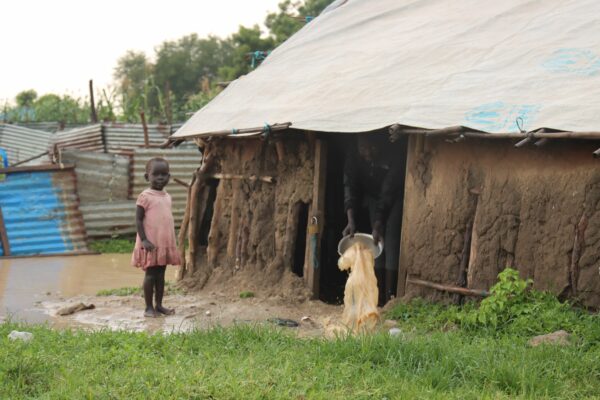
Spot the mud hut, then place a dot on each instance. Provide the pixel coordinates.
(496, 107)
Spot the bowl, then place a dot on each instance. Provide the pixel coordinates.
(364, 238)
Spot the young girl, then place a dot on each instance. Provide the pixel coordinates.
(155, 245)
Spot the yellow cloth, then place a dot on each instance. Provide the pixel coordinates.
(361, 293)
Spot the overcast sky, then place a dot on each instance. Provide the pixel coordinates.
(56, 46)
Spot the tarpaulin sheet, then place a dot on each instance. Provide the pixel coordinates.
(366, 64)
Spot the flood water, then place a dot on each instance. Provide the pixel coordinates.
(26, 282)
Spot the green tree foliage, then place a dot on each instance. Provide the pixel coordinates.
(288, 20)
(26, 98)
(243, 42)
(65, 109)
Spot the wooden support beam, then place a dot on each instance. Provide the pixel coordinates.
(145, 126)
(312, 270)
(4, 236)
(450, 289)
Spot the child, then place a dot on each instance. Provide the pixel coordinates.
(155, 245)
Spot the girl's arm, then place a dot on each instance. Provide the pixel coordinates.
(139, 223)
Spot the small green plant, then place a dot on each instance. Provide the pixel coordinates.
(170, 289)
(246, 295)
(508, 300)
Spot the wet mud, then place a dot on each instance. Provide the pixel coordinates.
(33, 290)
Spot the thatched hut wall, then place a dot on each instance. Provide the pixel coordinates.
(254, 225)
(536, 209)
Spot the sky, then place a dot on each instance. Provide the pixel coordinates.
(57, 46)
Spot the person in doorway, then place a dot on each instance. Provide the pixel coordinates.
(155, 244)
(374, 181)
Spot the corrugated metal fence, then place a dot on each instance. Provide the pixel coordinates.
(101, 177)
(88, 138)
(41, 211)
(22, 143)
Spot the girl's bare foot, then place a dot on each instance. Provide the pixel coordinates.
(150, 313)
(165, 311)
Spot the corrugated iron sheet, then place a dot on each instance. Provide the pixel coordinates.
(101, 177)
(22, 143)
(119, 137)
(182, 163)
(105, 219)
(51, 127)
(88, 138)
(41, 212)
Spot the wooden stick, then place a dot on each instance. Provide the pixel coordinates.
(4, 236)
(238, 132)
(235, 219)
(451, 289)
(29, 159)
(93, 114)
(182, 183)
(145, 126)
(252, 178)
(182, 231)
(280, 150)
(192, 225)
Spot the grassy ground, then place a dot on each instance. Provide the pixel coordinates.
(114, 245)
(444, 352)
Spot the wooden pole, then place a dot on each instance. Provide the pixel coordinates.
(4, 236)
(182, 232)
(252, 178)
(451, 289)
(145, 126)
(312, 272)
(93, 114)
(29, 159)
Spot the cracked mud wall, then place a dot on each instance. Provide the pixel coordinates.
(533, 209)
(254, 225)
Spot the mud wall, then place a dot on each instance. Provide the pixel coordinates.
(476, 207)
(255, 223)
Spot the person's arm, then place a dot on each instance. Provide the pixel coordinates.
(139, 223)
(350, 191)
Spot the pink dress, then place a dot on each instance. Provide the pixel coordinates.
(160, 230)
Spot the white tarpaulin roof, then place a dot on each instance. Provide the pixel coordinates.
(366, 64)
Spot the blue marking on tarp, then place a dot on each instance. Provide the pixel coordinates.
(582, 62)
(500, 116)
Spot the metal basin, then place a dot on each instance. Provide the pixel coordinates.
(364, 238)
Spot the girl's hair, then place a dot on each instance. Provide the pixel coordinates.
(154, 160)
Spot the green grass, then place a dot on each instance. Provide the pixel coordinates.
(246, 295)
(170, 288)
(444, 352)
(114, 245)
(260, 362)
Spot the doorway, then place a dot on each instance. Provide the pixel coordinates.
(332, 280)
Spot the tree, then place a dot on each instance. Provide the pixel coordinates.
(288, 20)
(26, 98)
(182, 65)
(66, 109)
(132, 74)
(244, 42)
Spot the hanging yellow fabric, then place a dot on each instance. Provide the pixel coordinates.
(361, 294)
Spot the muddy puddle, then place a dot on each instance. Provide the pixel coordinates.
(34, 289)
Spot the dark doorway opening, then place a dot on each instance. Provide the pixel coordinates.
(300, 246)
(332, 280)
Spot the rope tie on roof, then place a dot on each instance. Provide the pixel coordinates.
(266, 131)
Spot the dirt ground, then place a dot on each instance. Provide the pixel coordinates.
(196, 311)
